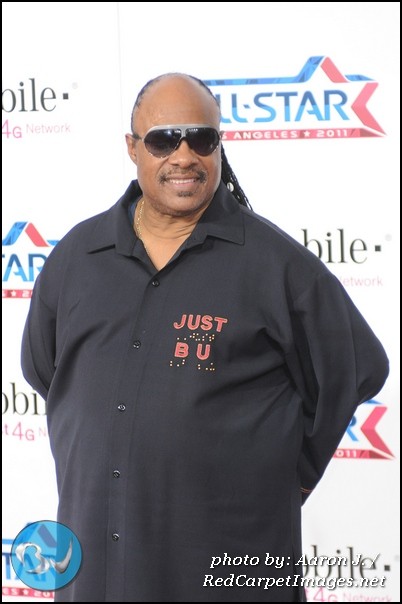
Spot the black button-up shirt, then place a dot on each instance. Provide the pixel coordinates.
(189, 406)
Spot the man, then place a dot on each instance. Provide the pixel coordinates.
(200, 368)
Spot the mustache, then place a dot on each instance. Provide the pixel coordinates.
(201, 175)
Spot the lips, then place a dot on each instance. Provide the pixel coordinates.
(183, 178)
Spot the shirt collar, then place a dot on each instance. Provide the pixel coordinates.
(222, 219)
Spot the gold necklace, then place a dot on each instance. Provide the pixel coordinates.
(138, 224)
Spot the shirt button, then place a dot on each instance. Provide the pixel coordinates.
(116, 473)
(155, 282)
(137, 344)
(115, 536)
(121, 407)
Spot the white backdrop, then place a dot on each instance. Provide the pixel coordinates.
(310, 101)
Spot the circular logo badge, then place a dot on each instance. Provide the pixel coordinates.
(46, 555)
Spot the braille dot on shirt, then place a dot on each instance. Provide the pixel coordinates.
(115, 536)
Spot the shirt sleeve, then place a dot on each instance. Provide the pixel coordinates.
(38, 344)
(337, 363)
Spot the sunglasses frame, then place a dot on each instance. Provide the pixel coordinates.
(183, 129)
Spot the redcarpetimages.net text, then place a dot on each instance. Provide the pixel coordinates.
(291, 581)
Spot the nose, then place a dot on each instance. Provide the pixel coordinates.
(183, 155)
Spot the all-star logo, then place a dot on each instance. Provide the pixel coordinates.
(31, 231)
(319, 102)
(24, 261)
(362, 440)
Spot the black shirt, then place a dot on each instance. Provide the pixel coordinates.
(189, 406)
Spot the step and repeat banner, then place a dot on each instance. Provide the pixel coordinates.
(310, 112)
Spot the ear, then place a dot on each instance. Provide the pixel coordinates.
(132, 147)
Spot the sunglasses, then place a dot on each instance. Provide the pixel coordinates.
(162, 141)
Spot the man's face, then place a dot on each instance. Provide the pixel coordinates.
(184, 182)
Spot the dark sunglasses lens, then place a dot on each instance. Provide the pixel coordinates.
(203, 141)
(162, 143)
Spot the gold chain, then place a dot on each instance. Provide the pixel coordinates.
(138, 224)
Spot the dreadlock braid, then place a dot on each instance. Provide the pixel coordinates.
(228, 176)
(230, 180)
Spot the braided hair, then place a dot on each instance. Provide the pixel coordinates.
(228, 176)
